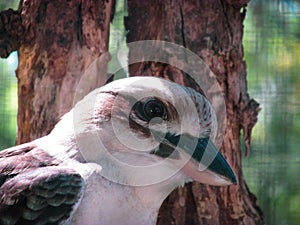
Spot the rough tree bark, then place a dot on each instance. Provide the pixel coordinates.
(56, 41)
(213, 30)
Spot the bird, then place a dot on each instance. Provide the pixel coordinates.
(114, 157)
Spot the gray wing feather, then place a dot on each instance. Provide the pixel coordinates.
(38, 193)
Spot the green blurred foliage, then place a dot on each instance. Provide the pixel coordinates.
(8, 91)
(272, 52)
(8, 101)
(6, 4)
(117, 42)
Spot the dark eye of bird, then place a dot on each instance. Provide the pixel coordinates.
(150, 108)
(153, 108)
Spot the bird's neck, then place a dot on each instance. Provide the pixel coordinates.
(107, 202)
(119, 204)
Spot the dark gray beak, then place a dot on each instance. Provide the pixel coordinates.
(203, 161)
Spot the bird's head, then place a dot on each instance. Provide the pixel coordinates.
(144, 130)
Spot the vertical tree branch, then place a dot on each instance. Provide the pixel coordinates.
(58, 42)
(213, 30)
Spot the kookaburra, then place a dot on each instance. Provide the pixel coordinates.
(114, 157)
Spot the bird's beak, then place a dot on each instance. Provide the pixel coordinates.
(204, 162)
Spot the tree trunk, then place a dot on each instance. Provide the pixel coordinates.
(213, 30)
(56, 40)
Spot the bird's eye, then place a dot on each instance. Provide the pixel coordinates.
(149, 109)
(153, 108)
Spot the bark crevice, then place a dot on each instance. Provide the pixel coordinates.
(182, 26)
